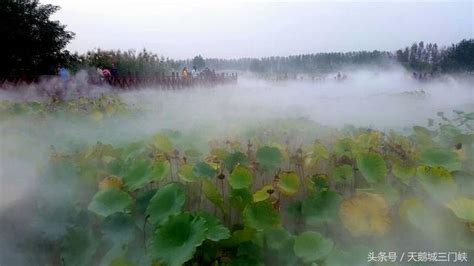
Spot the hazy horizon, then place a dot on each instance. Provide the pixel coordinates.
(242, 29)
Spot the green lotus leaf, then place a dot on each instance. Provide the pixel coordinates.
(160, 170)
(240, 178)
(276, 238)
(240, 198)
(369, 140)
(320, 182)
(288, 183)
(372, 166)
(269, 158)
(262, 194)
(175, 242)
(110, 201)
(344, 147)
(440, 157)
(204, 170)
(220, 153)
(212, 194)
(321, 207)
(261, 216)
(143, 199)
(343, 173)
(186, 173)
(215, 230)
(423, 136)
(138, 175)
(167, 201)
(438, 182)
(319, 150)
(234, 159)
(162, 143)
(239, 236)
(192, 153)
(118, 229)
(78, 247)
(463, 208)
(312, 246)
(404, 173)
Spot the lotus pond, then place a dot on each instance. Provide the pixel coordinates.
(285, 191)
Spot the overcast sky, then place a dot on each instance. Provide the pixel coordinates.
(233, 29)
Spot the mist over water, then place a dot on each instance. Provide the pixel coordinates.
(368, 98)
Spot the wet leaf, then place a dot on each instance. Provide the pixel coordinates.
(240, 178)
(438, 182)
(440, 157)
(175, 242)
(160, 170)
(262, 194)
(260, 216)
(239, 198)
(138, 175)
(234, 159)
(288, 183)
(312, 246)
(110, 201)
(404, 173)
(269, 158)
(343, 173)
(321, 207)
(167, 201)
(204, 170)
(213, 195)
(162, 143)
(463, 208)
(186, 173)
(215, 230)
(365, 214)
(372, 166)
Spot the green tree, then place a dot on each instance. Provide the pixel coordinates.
(199, 62)
(32, 44)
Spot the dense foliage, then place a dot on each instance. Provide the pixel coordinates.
(458, 57)
(418, 57)
(32, 44)
(126, 63)
(94, 107)
(323, 196)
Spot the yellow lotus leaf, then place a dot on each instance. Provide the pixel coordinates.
(110, 182)
(110, 109)
(97, 116)
(463, 208)
(365, 214)
(262, 194)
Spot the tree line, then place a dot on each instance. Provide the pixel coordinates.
(35, 45)
(418, 57)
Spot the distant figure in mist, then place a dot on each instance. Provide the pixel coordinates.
(63, 73)
(99, 72)
(340, 77)
(184, 73)
(106, 73)
(114, 71)
(194, 72)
